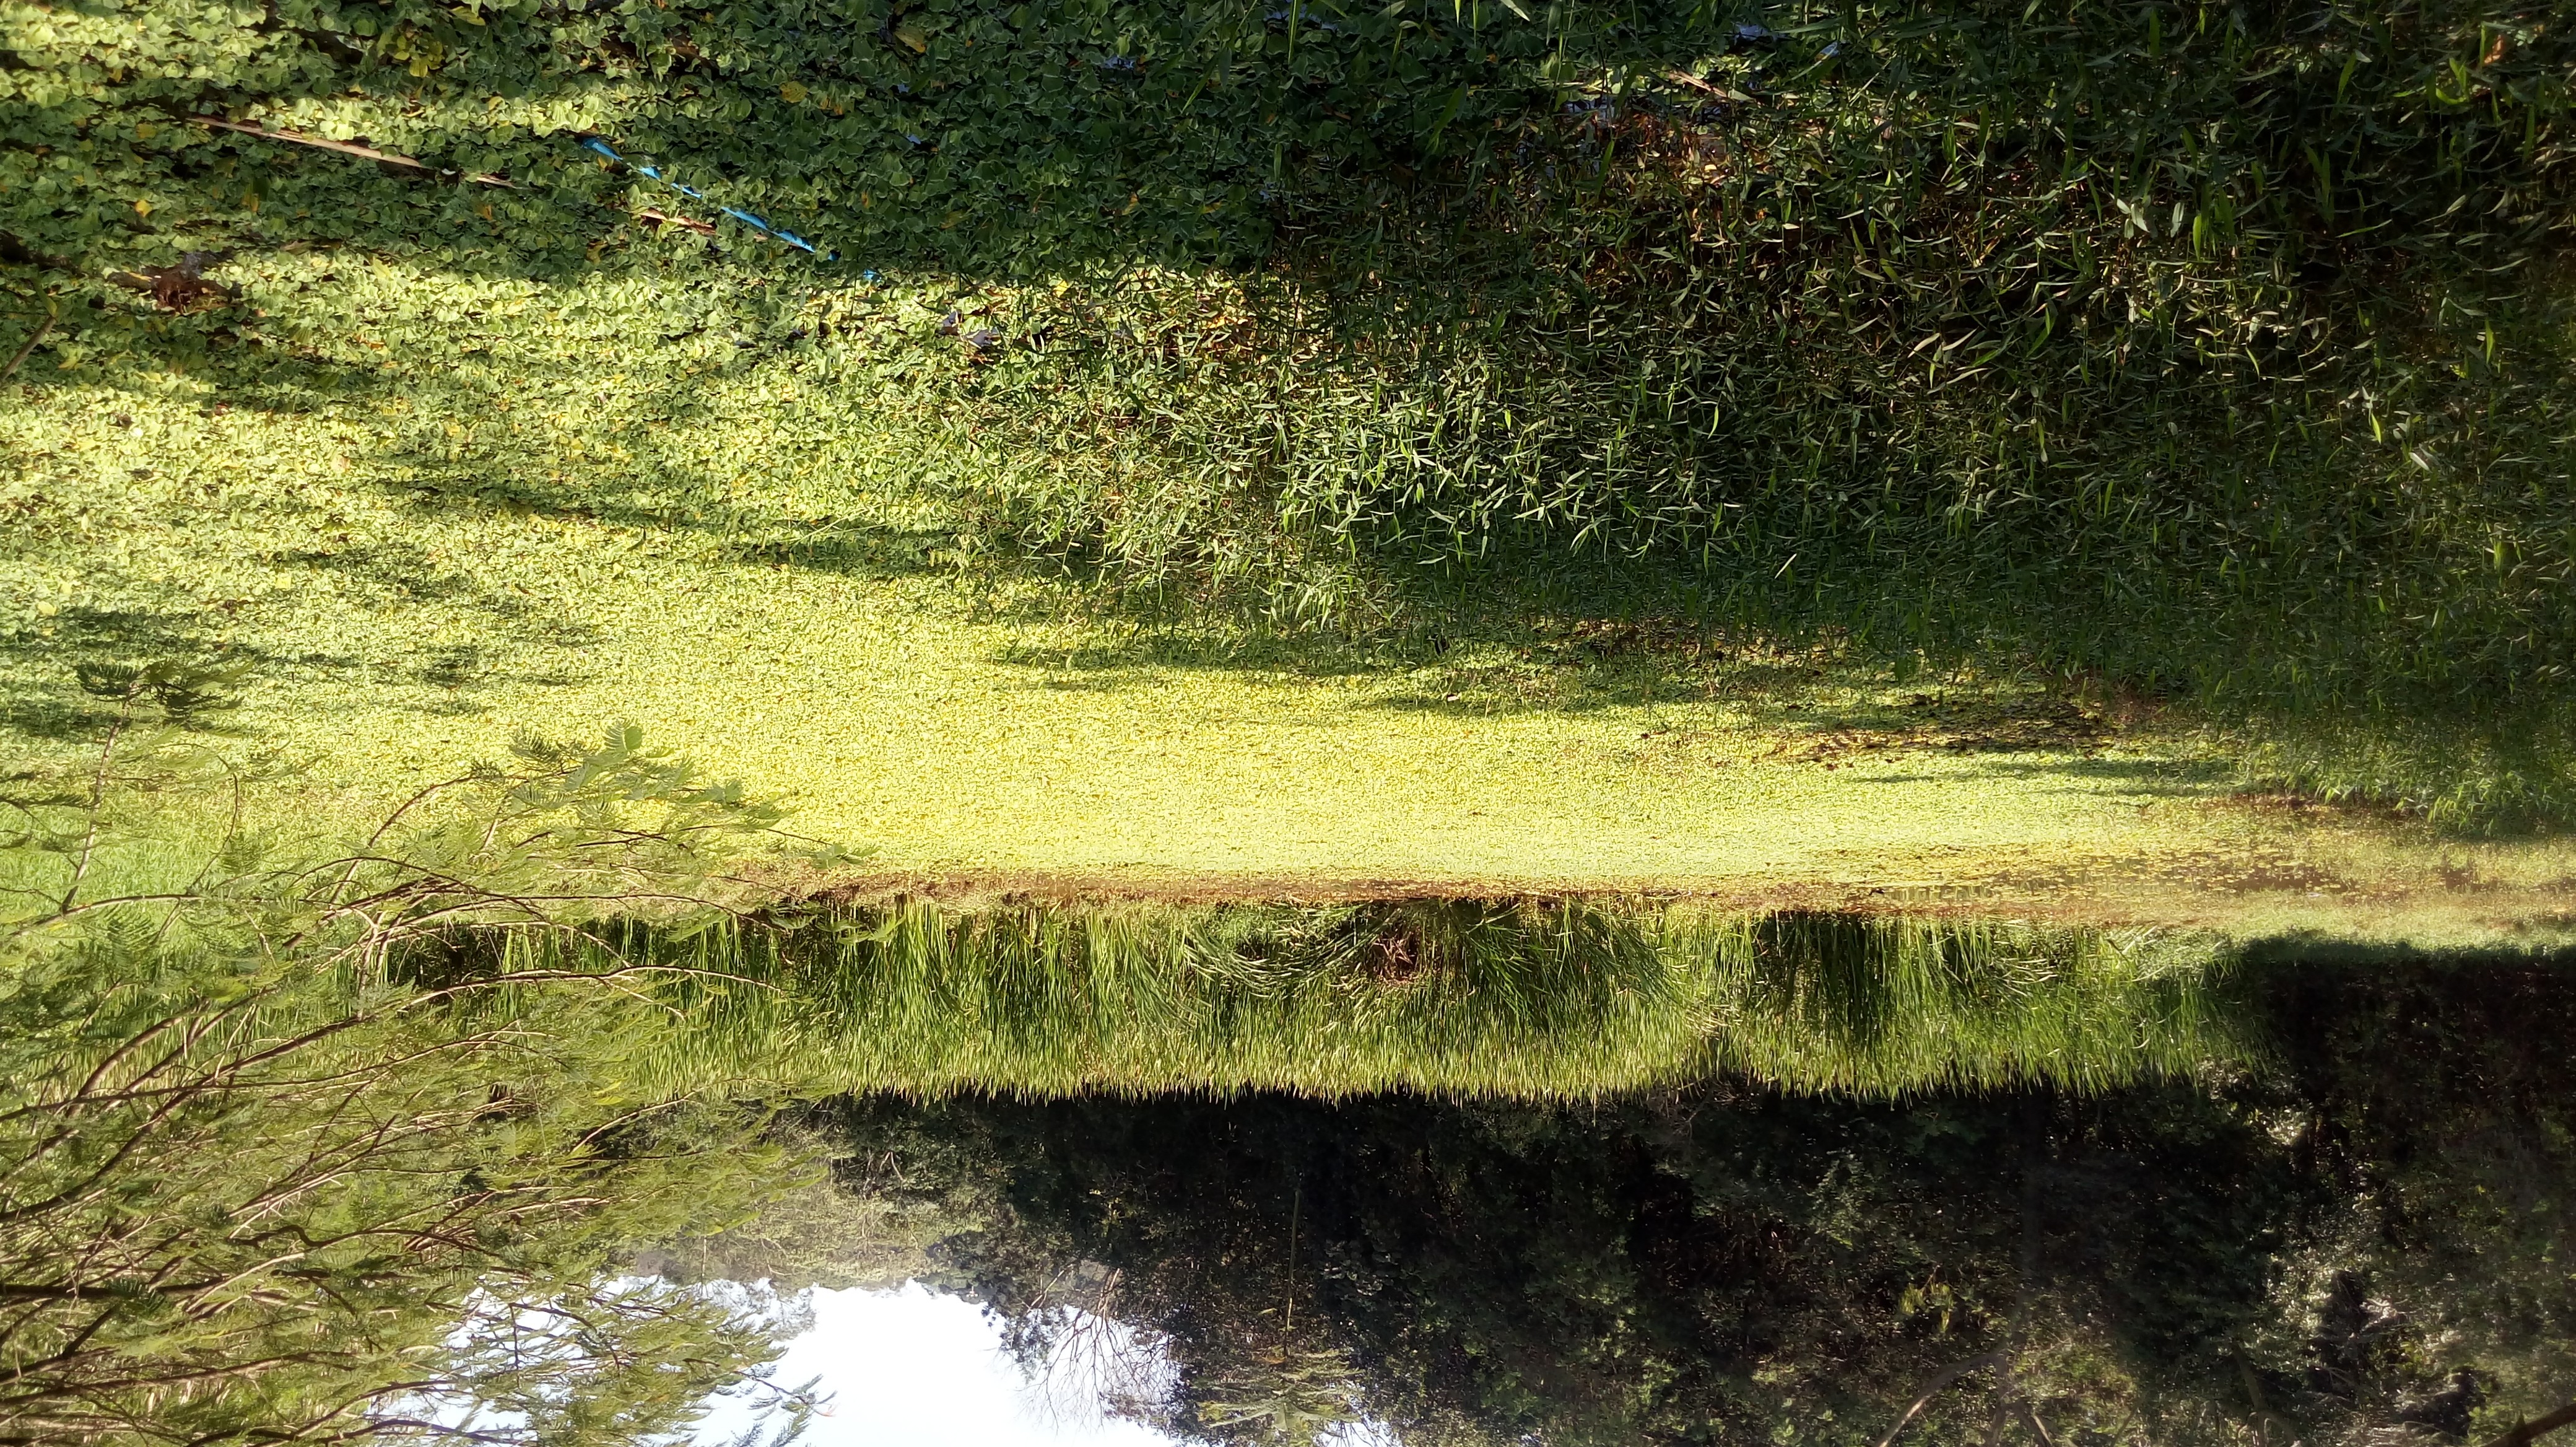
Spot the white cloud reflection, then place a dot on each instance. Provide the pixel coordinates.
(914, 1368)
(917, 1368)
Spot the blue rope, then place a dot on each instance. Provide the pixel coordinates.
(595, 144)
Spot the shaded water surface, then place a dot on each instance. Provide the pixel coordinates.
(2361, 1229)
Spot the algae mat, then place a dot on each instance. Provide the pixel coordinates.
(420, 562)
(973, 757)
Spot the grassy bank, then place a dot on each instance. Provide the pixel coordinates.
(1530, 1000)
(619, 870)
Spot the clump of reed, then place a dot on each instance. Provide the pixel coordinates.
(1545, 999)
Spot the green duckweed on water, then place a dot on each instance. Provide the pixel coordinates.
(1596, 448)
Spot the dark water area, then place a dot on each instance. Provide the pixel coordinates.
(2366, 1234)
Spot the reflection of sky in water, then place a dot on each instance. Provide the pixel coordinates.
(914, 1368)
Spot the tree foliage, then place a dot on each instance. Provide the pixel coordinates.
(275, 1166)
(2251, 144)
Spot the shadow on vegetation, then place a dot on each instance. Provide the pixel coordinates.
(50, 701)
(2232, 374)
(2194, 779)
(668, 492)
(411, 573)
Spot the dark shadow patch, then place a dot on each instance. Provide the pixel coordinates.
(113, 633)
(401, 573)
(499, 471)
(56, 718)
(2193, 779)
(55, 704)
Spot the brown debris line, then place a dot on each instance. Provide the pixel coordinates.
(2200, 891)
(346, 148)
(664, 218)
(480, 178)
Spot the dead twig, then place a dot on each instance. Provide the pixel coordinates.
(370, 153)
(28, 345)
(1940, 1381)
(2523, 1434)
(348, 148)
(685, 223)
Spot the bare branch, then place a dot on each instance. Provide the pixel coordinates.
(1939, 1382)
(2523, 1434)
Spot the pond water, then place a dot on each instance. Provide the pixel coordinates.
(910, 1366)
(913, 1367)
(2360, 1228)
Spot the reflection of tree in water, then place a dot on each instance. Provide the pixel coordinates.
(2368, 1241)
